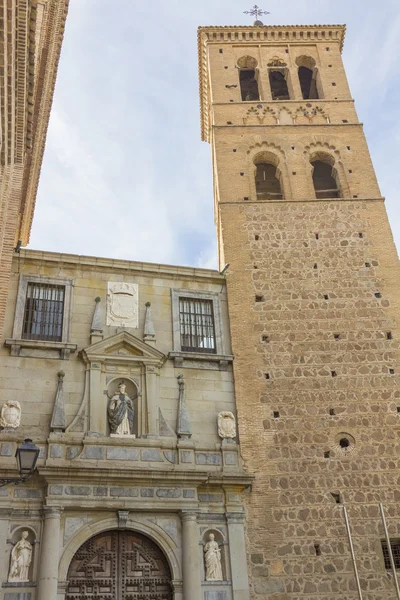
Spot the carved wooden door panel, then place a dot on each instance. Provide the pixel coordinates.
(119, 565)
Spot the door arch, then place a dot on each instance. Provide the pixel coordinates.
(119, 564)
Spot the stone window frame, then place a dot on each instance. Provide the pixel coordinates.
(180, 356)
(197, 295)
(17, 342)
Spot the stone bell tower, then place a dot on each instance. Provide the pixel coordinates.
(314, 293)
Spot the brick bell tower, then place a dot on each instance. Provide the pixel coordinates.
(314, 294)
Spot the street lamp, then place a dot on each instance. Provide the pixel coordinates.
(27, 455)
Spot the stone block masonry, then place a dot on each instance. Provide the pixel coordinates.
(314, 310)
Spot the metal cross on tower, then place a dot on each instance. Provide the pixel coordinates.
(256, 12)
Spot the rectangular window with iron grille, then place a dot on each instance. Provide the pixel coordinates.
(395, 545)
(44, 311)
(197, 328)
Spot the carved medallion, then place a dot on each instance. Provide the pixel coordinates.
(226, 425)
(10, 416)
(122, 304)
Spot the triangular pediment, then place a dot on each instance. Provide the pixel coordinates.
(123, 346)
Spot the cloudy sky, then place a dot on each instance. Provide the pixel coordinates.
(125, 174)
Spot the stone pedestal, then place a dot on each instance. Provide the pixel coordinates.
(50, 548)
(190, 558)
(237, 552)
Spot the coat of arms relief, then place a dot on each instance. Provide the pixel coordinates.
(122, 304)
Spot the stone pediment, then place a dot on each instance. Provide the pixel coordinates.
(122, 348)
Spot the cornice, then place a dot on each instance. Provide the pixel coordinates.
(248, 34)
(41, 258)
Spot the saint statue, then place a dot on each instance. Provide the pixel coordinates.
(212, 559)
(121, 412)
(21, 558)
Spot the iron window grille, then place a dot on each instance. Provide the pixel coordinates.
(43, 313)
(395, 545)
(197, 327)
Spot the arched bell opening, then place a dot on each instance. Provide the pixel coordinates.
(119, 564)
(267, 177)
(248, 79)
(325, 179)
(309, 78)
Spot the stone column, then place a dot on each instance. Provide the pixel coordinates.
(237, 553)
(5, 548)
(190, 558)
(49, 557)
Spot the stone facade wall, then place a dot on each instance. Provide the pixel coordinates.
(314, 309)
(175, 486)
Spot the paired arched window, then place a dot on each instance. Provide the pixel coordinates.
(248, 78)
(308, 77)
(279, 86)
(268, 185)
(325, 178)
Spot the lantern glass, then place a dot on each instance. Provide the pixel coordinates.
(27, 455)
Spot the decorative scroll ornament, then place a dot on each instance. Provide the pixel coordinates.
(226, 425)
(10, 416)
(21, 558)
(122, 304)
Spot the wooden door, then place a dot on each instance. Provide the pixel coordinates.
(119, 565)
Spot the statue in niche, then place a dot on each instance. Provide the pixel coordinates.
(212, 559)
(21, 558)
(10, 416)
(121, 412)
(226, 425)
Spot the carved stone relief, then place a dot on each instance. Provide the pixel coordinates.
(122, 304)
(10, 416)
(226, 425)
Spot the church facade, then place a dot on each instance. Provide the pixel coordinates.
(219, 436)
(121, 373)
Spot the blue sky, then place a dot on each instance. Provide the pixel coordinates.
(125, 174)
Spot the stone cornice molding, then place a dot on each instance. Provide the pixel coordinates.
(271, 34)
(130, 267)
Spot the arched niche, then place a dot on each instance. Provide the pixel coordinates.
(133, 391)
(220, 539)
(248, 79)
(18, 534)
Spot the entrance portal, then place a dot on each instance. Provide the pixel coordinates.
(119, 565)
